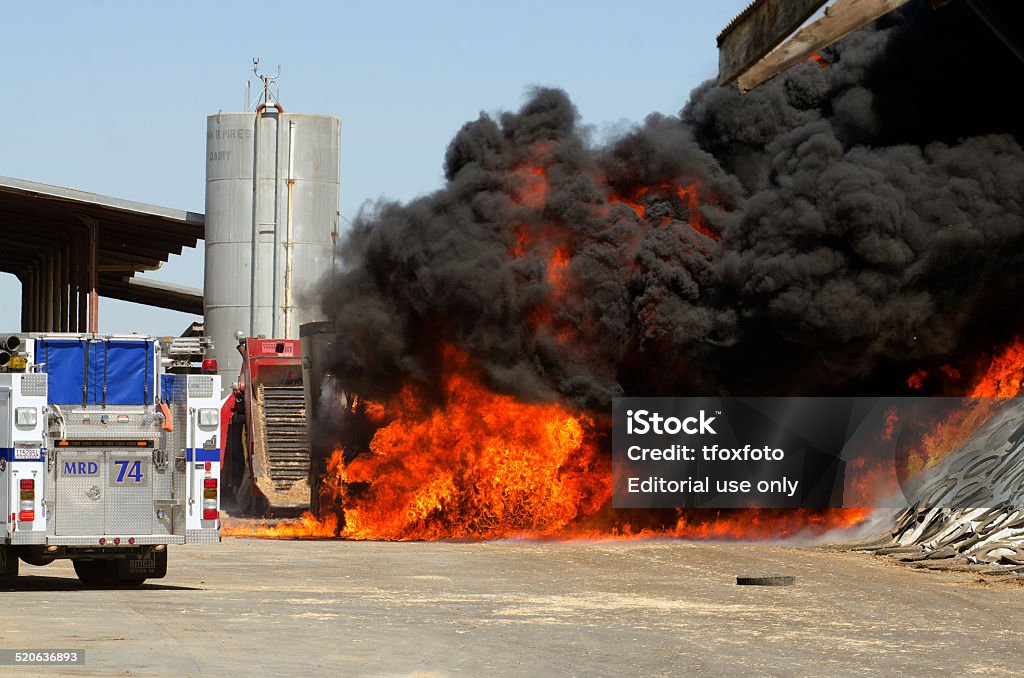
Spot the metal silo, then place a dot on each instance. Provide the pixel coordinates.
(272, 185)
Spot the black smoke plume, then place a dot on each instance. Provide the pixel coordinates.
(857, 218)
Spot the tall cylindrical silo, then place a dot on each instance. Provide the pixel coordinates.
(272, 186)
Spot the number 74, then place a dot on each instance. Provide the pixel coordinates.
(131, 469)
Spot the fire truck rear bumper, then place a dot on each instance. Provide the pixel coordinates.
(202, 536)
(94, 540)
(20, 538)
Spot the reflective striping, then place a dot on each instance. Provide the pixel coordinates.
(200, 454)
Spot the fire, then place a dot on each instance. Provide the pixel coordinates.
(631, 201)
(763, 524)
(943, 438)
(1004, 374)
(998, 377)
(483, 466)
(467, 463)
(686, 194)
(480, 466)
(533, 186)
(556, 268)
(307, 527)
(868, 482)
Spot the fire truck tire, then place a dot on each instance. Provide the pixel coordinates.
(35, 555)
(8, 564)
(96, 572)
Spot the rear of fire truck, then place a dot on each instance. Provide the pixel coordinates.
(106, 458)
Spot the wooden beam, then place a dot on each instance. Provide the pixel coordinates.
(758, 29)
(840, 19)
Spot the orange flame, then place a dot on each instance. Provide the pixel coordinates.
(1004, 375)
(998, 377)
(533, 186)
(482, 465)
(468, 463)
(687, 194)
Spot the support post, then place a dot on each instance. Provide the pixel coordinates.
(65, 286)
(83, 282)
(54, 320)
(24, 301)
(34, 305)
(93, 273)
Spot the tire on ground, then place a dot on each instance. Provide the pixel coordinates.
(8, 563)
(96, 572)
(769, 580)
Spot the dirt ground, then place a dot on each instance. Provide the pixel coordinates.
(290, 608)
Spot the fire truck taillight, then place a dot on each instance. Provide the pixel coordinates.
(27, 512)
(209, 366)
(210, 499)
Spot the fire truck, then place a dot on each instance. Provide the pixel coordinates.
(109, 453)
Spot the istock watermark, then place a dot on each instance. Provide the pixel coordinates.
(726, 452)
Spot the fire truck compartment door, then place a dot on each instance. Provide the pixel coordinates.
(108, 372)
(65, 360)
(103, 492)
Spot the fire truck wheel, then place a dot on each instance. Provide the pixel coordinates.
(35, 555)
(8, 564)
(96, 572)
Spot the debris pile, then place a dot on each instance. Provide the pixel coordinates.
(967, 511)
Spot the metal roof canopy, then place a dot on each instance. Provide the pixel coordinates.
(68, 246)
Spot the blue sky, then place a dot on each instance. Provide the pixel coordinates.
(112, 96)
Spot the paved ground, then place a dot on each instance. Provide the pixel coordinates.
(249, 607)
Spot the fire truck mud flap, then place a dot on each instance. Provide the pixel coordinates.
(124, 571)
(151, 565)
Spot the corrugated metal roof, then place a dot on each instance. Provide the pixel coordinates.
(38, 220)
